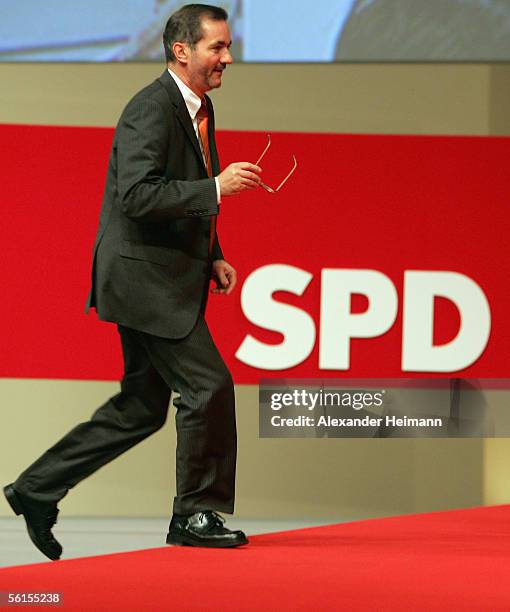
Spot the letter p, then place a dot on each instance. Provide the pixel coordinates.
(339, 325)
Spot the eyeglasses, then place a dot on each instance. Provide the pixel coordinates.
(266, 187)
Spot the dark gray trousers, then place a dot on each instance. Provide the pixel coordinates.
(205, 423)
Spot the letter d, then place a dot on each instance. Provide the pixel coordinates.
(418, 352)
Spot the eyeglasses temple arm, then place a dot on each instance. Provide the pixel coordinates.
(265, 150)
(288, 175)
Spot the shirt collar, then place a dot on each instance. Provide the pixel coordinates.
(193, 102)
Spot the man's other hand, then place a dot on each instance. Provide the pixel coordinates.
(238, 177)
(224, 275)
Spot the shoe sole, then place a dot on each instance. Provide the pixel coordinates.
(180, 540)
(13, 500)
(17, 505)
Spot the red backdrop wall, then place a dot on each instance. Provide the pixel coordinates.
(389, 203)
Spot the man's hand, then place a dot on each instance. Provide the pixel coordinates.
(224, 275)
(239, 177)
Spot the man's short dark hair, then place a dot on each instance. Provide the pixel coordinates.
(185, 25)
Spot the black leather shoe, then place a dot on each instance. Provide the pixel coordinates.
(39, 518)
(203, 529)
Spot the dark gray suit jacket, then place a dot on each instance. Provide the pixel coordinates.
(151, 264)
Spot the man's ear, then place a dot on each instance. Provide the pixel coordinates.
(181, 52)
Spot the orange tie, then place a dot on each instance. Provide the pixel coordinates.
(203, 131)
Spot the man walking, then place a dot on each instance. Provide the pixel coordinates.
(155, 253)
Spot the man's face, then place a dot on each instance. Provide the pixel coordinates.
(210, 57)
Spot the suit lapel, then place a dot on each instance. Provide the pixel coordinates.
(182, 113)
(212, 142)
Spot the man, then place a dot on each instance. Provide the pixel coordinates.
(155, 252)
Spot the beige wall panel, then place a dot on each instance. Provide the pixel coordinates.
(352, 98)
(497, 451)
(311, 478)
(500, 99)
(69, 94)
(497, 462)
(351, 478)
(357, 98)
(36, 413)
(497, 471)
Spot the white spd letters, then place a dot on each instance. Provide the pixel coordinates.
(338, 325)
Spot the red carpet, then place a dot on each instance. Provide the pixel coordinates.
(456, 560)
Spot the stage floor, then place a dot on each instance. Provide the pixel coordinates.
(434, 562)
(85, 537)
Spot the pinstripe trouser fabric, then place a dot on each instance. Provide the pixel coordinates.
(205, 423)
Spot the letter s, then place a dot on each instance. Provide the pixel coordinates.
(296, 325)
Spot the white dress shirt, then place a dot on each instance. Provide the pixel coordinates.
(193, 104)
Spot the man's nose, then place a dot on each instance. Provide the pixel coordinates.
(227, 57)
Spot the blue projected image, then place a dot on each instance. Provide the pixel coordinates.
(263, 30)
(94, 31)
